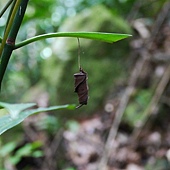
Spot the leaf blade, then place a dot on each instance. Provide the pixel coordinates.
(7, 122)
(101, 36)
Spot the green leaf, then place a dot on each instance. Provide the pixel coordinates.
(29, 149)
(73, 125)
(101, 36)
(37, 154)
(70, 169)
(15, 109)
(17, 113)
(7, 148)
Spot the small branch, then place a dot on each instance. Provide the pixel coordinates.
(119, 113)
(113, 131)
(160, 19)
(153, 105)
(51, 150)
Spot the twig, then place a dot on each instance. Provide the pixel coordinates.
(153, 105)
(113, 131)
(159, 22)
(119, 113)
(134, 10)
(50, 151)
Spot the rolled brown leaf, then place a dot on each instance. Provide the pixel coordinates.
(81, 87)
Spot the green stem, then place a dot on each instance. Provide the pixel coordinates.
(8, 28)
(10, 13)
(107, 37)
(5, 7)
(14, 28)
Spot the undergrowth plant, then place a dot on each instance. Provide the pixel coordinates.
(16, 113)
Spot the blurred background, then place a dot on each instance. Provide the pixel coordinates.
(129, 88)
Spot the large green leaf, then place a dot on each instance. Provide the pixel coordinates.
(101, 36)
(16, 113)
(15, 109)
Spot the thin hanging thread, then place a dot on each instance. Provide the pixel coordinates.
(79, 51)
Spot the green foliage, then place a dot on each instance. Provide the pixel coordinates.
(158, 164)
(16, 113)
(73, 125)
(30, 149)
(49, 123)
(134, 113)
(70, 168)
(101, 36)
(7, 149)
(42, 66)
(13, 25)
